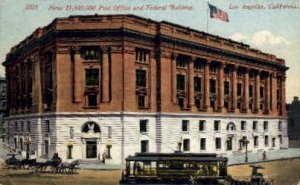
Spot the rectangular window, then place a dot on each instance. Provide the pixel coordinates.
(266, 140)
(212, 86)
(182, 61)
(28, 126)
(92, 100)
(273, 142)
(218, 143)
(16, 143)
(239, 89)
(92, 77)
(216, 125)
(143, 125)
(21, 144)
(141, 101)
(46, 143)
(185, 125)
(243, 125)
(254, 125)
(180, 82)
(198, 65)
(261, 92)
(22, 126)
(202, 125)
(181, 102)
(140, 78)
(70, 148)
(90, 52)
(279, 125)
(109, 130)
(144, 146)
(265, 125)
(226, 88)
(47, 125)
(203, 144)
(197, 84)
(280, 139)
(255, 141)
(186, 145)
(251, 91)
(71, 132)
(141, 55)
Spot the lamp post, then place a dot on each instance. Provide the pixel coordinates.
(108, 146)
(179, 143)
(27, 142)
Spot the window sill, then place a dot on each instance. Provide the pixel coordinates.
(144, 107)
(185, 132)
(144, 133)
(90, 107)
(89, 60)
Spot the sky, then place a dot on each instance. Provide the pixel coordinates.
(272, 26)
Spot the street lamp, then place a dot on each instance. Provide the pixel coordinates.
(179, 143)
(245, 142)
(108, 146)
(27, 142)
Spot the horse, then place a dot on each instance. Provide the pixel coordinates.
(29, 162)
(69, 168)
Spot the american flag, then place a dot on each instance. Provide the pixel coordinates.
(217, 13)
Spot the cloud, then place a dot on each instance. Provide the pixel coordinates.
(238, 37)
(266, 37)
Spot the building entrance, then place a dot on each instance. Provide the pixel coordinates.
(91, 149)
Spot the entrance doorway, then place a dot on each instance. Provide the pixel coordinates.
(91, 149)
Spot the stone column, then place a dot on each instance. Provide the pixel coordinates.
(191, 104)
(206, 85)
(234, 88)
(267, 93)
(246, 91)
(257, 88)
(105, 74)
(173, 78)
(274, 92)
(283, 96)
(221, 87)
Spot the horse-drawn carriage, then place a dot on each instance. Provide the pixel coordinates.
(181, 168)
(54, 165)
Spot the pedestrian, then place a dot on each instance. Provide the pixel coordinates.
(264, 156)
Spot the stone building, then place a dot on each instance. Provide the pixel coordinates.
(294, 122)
(119, 84)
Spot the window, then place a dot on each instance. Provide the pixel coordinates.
(143, 125)
(266, 140)
(254, 125)
(198, 65)
(16, 127)
(229, 143)
(140, 78)
(239, 89)
(47, 125)
(186, 145)
(141, 101)
(180, 82)
(46, 143)
(255, 141)
(182, 61)
(185, 125)
(92, 100)
(90, 53)
(22, 126)
(16, 143)
(212, 86)
(202, 125)
(280, 139)
(226, 88)
(181, 102)
(213, 69)
(243, 125)
(21, 144)
(273, 142)
(144, 146)
(141, 55)
(279, 125)
(197, 84)
(217, 125)
(109, 130)
(28, 126)
(92, 77)
(265, 125)
(71, 132)
(70, 148)
(203, 144)
(251, 91)
(218, 143)
(261, 92)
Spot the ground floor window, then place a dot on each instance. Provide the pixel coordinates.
(218, 143)
(229, 143)
(70, 148)
(255, 141)
(266, 140)
(46, 147)
(16, 143)
(273, 142)
(144, 146)
(280, 139)
(21, 143)
(203, 144)
(186, 145)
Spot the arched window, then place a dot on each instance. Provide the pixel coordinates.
(231, 126)
(91, 126)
